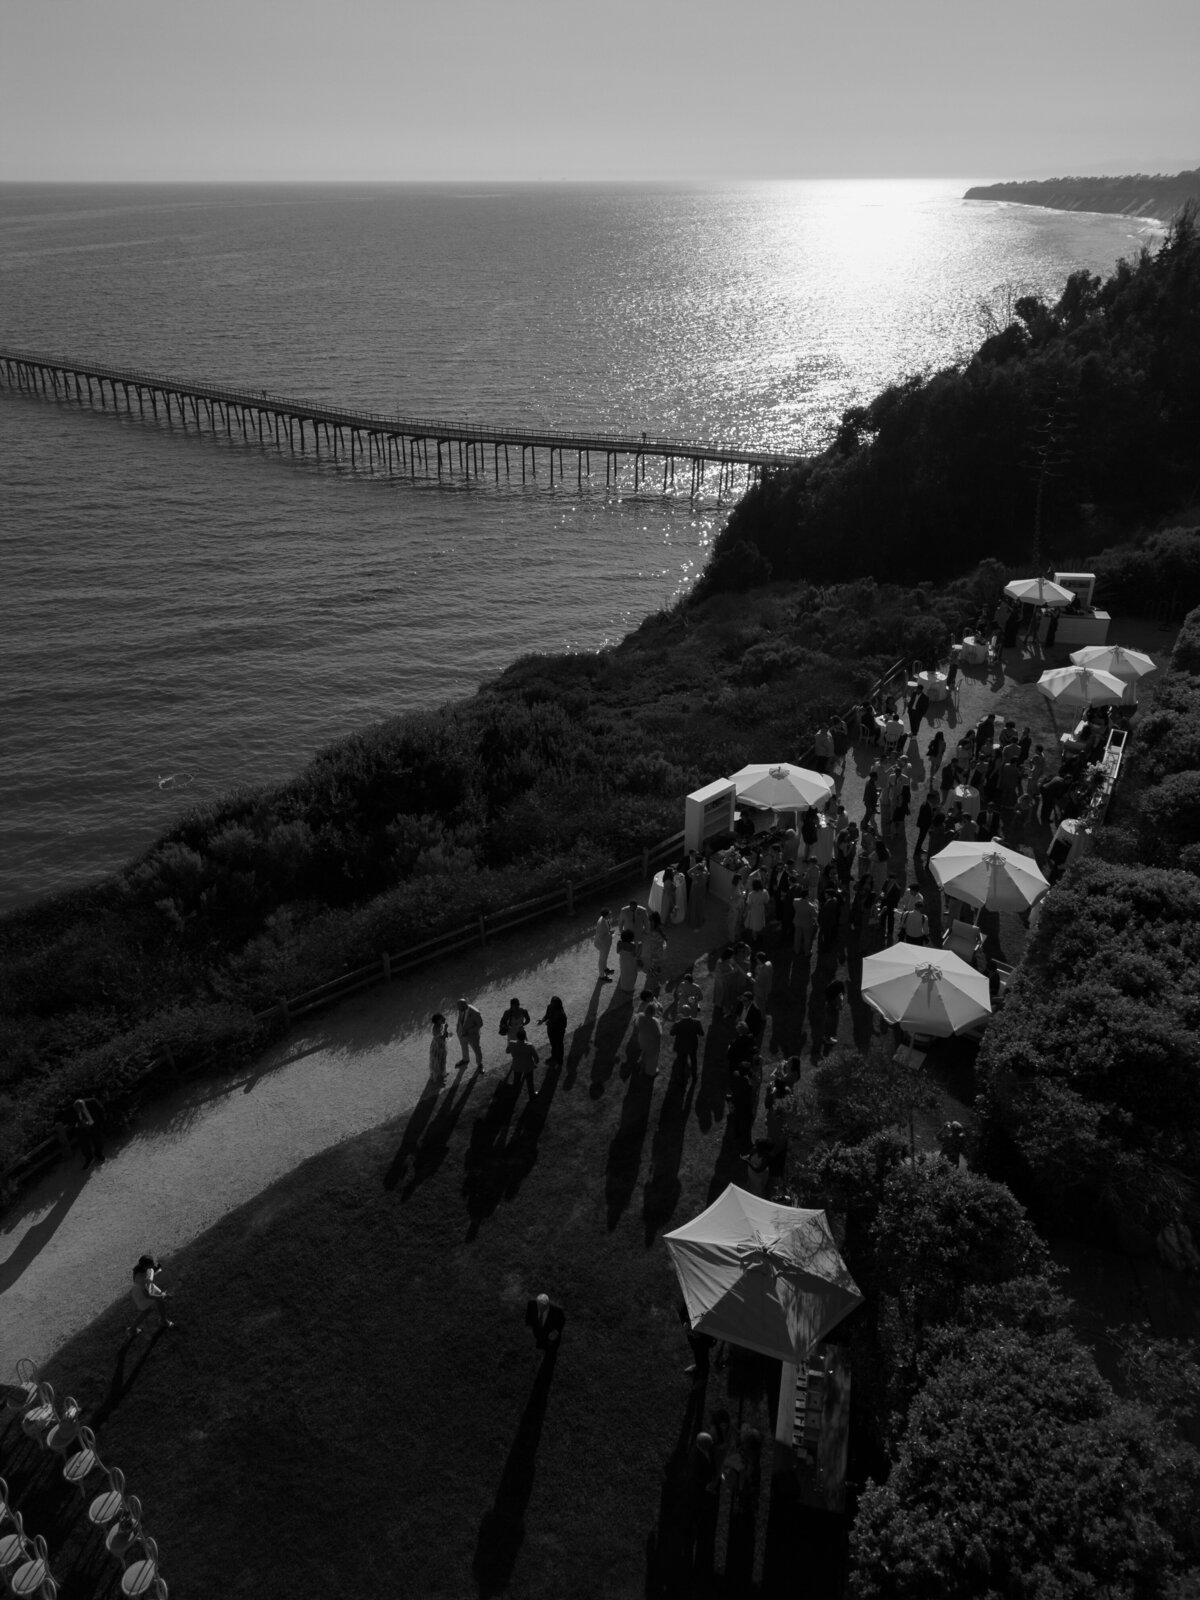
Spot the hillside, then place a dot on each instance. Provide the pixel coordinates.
(1140, 194)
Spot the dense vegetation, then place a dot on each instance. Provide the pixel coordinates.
(1092, 1071)
(560, 767)
(1071, 424)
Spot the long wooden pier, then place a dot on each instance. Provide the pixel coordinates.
(413, 446)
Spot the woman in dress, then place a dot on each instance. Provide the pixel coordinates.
(681, 897)
(935, 755)
(654, 950)
(667, 904)
(757, 901)
(721, 981)
(438, 1034)
(555, 1024)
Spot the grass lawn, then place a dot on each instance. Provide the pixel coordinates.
(351, 1403)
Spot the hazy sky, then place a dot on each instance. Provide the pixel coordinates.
(395, 89)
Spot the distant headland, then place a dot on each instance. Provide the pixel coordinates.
(1138, 195)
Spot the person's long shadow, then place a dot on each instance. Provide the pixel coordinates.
(123, 1381)
(662, 1191)
(625, 1152)
(485, 1171)
(70, 1181)
(431, 1151)
(668, 1553)
(581, 1039)
(502, 1531)
(419, 1119)
(714, 1077)
(522, 1149)
(610, 1030)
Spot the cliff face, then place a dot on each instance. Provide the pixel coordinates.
(1138, 195)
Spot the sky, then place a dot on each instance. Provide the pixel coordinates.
(371, 90)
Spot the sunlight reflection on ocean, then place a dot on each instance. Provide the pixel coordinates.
(183, 614)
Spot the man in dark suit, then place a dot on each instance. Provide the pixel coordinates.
(547, 1321)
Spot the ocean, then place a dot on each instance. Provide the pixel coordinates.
(184, 614)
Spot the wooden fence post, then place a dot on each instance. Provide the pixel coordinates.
(285, 1015)
(645, 862)
(482, 929)
(386, 963)
(570, 901)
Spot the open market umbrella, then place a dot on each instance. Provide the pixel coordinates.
(988, 875)
(925, 991)
(1038, 592)
(781, 787)
(1081, 686)
(1115, 658)
(762, 1275)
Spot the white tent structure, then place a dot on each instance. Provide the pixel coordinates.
(762, 1275)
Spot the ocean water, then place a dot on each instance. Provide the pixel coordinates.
(182, 614)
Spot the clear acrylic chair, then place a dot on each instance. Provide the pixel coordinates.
(109, 1502)
(23, 1394)
(86, 1459)
(15, 1547)
(65, 1431)
(141, 1575)
(126, 1529)
(41, 1416)
(30, 1577)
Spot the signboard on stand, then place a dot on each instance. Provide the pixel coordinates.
(708, 813)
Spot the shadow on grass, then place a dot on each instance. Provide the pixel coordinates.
(502, 1531)
(500, 1155)
(581, 1039)
(670, 1543)
(122, 1380)
(610, 1030)
(625, 1152)
(429, 1151)
(663, 1188)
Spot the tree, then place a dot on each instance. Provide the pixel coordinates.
(1021, 1475)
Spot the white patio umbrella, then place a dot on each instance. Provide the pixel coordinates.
(1038, 592)
(925, 991)
(1081, 686)
(1115, 658)
(988, 875)
(762, 1275)
(781, 787)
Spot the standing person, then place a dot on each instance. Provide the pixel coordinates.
(602, 938)
(737, 903)
(888, 901)
(555, 1023)
(469, 1028)
(924, 823)
(687, 1033)
(823, 748)
(935, 755)
(764, 978)
(829, 922)
(515, 1017)
(147, 1296)
(546, 1320)
(89, 1128)
(835, 994)
(914, 926)
(666, 906)
(870, 797)
(687, 991)
(654, 950)
(757, 901)
(804, 925)
(439, 1032)
(917, 707)
(524, 1059)
(740, 1094)
(721, 981)
(649, 1037)
(633, 919)
(627, 963)
(809, 830)
(1052, 629)
(698, 893)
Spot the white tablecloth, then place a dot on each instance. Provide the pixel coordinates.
(656, 897)
(973, 653)
(934, 684)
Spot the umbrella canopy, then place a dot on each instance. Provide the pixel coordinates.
(1127, 664)
(988, 875)
(762, 1275)
(1081, 686)
(1038, 592)
(782, 788)
(925, 991)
